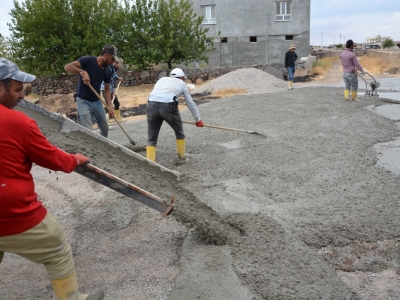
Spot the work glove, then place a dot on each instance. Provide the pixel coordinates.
(191, 86)
(363, 73)
(80, 159)
(199, 123)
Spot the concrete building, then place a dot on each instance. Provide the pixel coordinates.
(377, 40)
(254, 31)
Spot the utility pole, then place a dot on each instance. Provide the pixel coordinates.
(322, 41)
(340, 40)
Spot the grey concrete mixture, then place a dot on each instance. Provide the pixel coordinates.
(269, 203)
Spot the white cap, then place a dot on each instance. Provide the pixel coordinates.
(177, 73)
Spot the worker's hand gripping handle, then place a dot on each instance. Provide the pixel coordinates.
(199, 123)
(81, 159)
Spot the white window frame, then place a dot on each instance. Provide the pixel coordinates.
(208, 12)
(283, 11)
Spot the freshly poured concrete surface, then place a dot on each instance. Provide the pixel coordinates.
(389, 152)
(311, 183)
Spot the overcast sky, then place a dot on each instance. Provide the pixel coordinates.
(335, 20)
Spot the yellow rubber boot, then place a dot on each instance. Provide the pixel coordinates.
(117, 115)
(151, 153)
(354, 95)
(180, 146)
(67, 288)
(289, 85)
(346, 94)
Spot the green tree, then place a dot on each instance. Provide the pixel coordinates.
(136, 39)
(4, 47)
(47, 34)
(387, 43)
(166, 31)
(179, 33)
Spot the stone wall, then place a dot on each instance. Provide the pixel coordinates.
(328, 53)
(67, 84)
(391, 57)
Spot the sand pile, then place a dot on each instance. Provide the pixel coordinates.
(254, 81)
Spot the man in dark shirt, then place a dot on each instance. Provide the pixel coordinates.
(290, 59)
(94, 70)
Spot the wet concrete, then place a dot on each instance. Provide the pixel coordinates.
(313, 181)
(393, 96)
(389, 153)
(191, 211)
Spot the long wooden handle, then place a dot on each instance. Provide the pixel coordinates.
(128, 189)
(115, 93)
(219, 127)
(98, 96)
(105, 104)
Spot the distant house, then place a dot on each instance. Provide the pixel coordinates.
(254, 31)
(374, 42)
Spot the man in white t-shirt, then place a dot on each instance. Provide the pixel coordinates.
(163, 106)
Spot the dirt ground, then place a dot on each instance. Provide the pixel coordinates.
(132, 100)
(317, 218)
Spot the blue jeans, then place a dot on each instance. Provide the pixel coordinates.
(88, 108)
(157, 113)
(350, 80)
(290, 73)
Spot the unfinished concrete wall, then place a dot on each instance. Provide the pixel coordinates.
(389, 56)
(239, 20)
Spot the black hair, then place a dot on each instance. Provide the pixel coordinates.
(349, 43)
(7, 83)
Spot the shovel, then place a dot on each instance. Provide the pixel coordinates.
(225, 128)
(105, 104)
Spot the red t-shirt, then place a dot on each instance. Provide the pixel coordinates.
(21, 144)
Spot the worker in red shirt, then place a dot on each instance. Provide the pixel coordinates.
(26, 227)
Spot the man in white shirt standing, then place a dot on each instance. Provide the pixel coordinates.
(163, 106)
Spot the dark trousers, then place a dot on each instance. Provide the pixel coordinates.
(157, 113)
(116, 102)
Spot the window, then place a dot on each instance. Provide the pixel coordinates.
(289, 38)
(224, 40)
(283, 11)
(208, 12)
(253, 39)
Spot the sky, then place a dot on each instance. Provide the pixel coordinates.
(332, 21)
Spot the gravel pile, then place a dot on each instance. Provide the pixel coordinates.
(254, 81)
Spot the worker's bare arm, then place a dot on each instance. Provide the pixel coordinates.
(73, 67)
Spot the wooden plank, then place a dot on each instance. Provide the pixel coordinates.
(128, 189)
